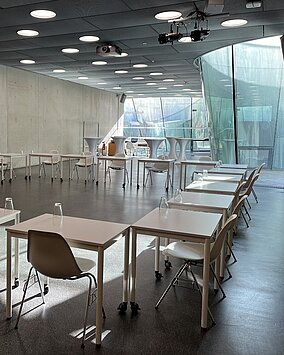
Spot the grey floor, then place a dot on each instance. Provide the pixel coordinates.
(250, 320)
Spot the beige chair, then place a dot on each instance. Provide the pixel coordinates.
(159, 168)
(258, 171)
(117, 165)
(51, 256)
(81, 164)
(55, 161)
(247, 189)
(193, 253)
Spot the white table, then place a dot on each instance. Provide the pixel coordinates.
(172, 143)
(207, 203)
(234, 166)
(212, 187)
(39, 156)
(119, 143)
(79, 233)
(125, 159)
(8, 216)
(185, 163)
(93, 143)
(72, 157)
(148, 161)
(182, 225)
(153, 143)
(222, 178)
(10, 157)
(223, 171)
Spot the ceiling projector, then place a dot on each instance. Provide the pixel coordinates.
(169, 37)
(108, 50)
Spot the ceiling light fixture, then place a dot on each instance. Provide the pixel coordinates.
(83, 78)
(121, 71)
(117, 88)
(140, 65)
(124, 54)
(156, 74)
(185, 39)
(28, 33)
(89, 39)
(58, 70)
(234, 23)
(168, 15)
(151, 84)
(27, 61)
(168, 80)
(102, 83)
(178, 85)
(138, 78)
(99, 62)
(43, 14)
(70, 50)
(129, 91)
(253, 4)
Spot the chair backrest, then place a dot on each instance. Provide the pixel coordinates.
(238, 206)
(237, 194)
(222, 235)
(248, 189)
(55, 158)
(259, 168)
(50, 255)
(163, 166)
(250, 177)
(89, 160)
(117, 164)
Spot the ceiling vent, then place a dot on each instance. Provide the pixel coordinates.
(108, 51)
(214, 6)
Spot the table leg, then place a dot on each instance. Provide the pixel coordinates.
(86, 170)
(52, 169)
(11, 169)
(61, 169)
(131, 169)
(158, 275)
(99, 301)
(144, 174)
(26, 169)
(30, 167)
(180, 176)
(97, 172)
(9, 278)
(138, 175)
(124, 174)
(2, 170)
(223, 250)
(125, 286)
(16, 266)
(204, 309)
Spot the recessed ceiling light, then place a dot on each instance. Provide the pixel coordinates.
(116, 87)
(102, 83)
(162, 88)
(168, 15)
(178, 85)
(129, 91)
(186, 89)
(99, 62)
(234, 23)
(43, 14)
(83, 78)
(151, 84)
(27, 61)
(168, 80)
(140, 94)
(124, 54)
(58, 70)
(89, 38)
(70, 50)
(144, 43)
(156, 73)
(140, 65)
(121, 71)
(138, 78)
(185, 39)
(28, 33)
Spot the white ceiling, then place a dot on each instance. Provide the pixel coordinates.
(131, 25)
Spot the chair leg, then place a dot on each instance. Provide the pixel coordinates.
(248, 203)
(218, 282)
(247, 212)
(231, 251)
(172, 283)
(254, 195)
(244, 218)
(26, 286)
(199, 290)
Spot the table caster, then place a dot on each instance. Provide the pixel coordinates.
(134, 307)
(158, 275)
(16, 283)
(168, 264)
(45, 289)
(61, 179)
(122, 307)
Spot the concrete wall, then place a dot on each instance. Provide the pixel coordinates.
(41, 113)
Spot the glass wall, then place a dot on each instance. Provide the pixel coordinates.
(243, 87)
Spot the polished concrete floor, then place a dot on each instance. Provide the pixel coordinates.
(250, 320)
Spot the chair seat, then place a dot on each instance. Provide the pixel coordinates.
(185, 250)
(85, 264)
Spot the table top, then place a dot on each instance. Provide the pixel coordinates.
(113, 157)
(203, 200)
(87, 233)
(234, 166)
(80, 156)
(179, 223)
(222, 178)
(12, 155)
(155, 160)
(44, 154)
(207, 186)
(229, 171)
(6, 214)
(199, 162)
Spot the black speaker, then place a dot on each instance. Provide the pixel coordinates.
(282, 44)
(122, 98)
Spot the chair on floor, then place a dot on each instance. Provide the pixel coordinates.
(51, 256)
(55, 160)
(117, 165)
(6, 167)
(258, 171)
(247, 189)
(198, 170)
(81, 164)
(130, 149)
(193, 254)
(159, 168)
